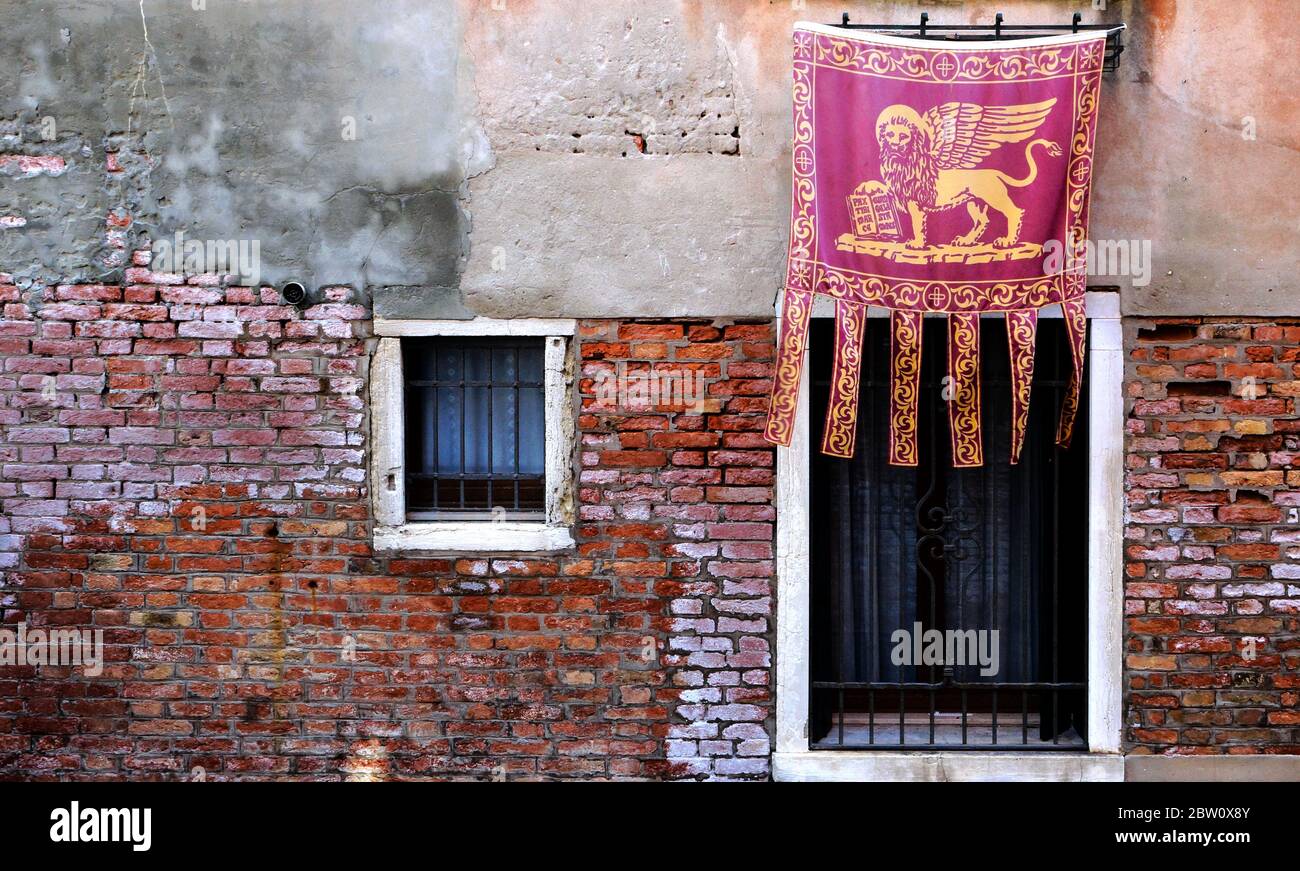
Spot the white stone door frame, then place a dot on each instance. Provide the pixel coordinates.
(793, 760)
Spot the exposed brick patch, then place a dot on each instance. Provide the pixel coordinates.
(1212, 599)
(182, 465)
(683, 503)
(26, 166)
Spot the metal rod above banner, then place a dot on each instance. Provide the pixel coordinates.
(998, 30)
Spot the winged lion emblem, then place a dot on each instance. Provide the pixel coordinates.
(929, 163)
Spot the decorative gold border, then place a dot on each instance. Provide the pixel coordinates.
(945, 296)
(964, 382)
(803, 163)
(1022, 335)
(904, 385)
(796, 310)
(941, 65)
(1076, 326)
(841, 427)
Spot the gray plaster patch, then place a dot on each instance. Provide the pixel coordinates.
(334, 137)
(589, 236)
(427, 303)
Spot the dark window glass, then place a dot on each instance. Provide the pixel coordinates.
(961, 552)
(475, 426)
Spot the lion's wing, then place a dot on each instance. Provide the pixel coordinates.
(965, 133)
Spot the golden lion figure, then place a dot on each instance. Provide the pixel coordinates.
(929, 162)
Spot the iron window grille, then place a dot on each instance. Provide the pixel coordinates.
(475, 427)
(996, 547)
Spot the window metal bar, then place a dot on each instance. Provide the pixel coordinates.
(995, 716)
(1056, 722)
(902, 668)
(434, 396)
(1037, 748)
(470, 514)
(876, 514)
(932, 706)
(491, 445)
(902, 712)
(1056, 585)
(464, 403)
(475, 476)
(979, 686)
(1024, 557)
(841, 694)
(942, 32)
(518, 420)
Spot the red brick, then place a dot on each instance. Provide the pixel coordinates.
(1184, 464)
(273, 621)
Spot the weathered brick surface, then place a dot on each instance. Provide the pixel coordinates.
(1212, 597)
(680, 507)
(182, 465)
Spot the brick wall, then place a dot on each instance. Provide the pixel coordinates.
(678, 506)
(182, 466)
(1212, 534)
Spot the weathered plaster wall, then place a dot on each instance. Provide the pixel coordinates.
(236, 116)
(546, 158)
(574, 219)
(1174, 166)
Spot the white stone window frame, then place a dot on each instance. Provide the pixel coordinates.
(392, 531)
(795, 760)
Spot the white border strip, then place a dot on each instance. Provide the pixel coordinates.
(477, 327)
(1105, 523)
(969, 766)
(472, 536)
(793, 618)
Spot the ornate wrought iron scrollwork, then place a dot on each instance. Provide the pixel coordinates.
(947, 533)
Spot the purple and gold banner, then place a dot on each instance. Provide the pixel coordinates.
(930, 176)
